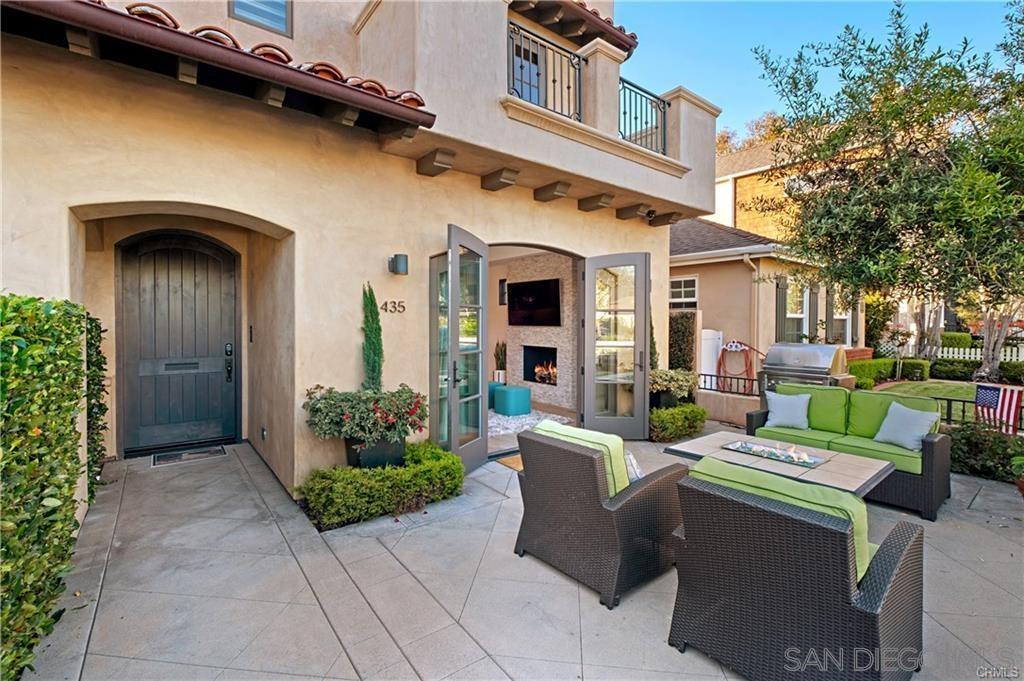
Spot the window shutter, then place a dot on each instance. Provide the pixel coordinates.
(855, 322)
(830, 314)
(781, 286)
(812, 311)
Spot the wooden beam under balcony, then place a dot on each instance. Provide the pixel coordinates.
(550, 192)
(595, 202)
(572, 29)
(551, 16)
(499, 179)
(637, 210)
(435, 162)
(662, 219)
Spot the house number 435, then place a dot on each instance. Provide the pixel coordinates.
(393, 306)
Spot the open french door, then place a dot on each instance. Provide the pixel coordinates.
(458, 341)
(615, 340)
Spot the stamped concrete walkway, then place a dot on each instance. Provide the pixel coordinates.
(208, 570)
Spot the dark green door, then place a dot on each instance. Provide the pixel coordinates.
(177, 342)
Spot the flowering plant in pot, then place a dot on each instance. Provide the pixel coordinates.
(669, 387)
(373, 423)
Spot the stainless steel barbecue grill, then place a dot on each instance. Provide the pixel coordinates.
(805, 363)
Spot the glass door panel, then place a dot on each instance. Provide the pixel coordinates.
(467, 424)
(439, 363)
(615, 330)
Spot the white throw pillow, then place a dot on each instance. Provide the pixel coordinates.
(787, 411)
(633, 470)
(906, 427)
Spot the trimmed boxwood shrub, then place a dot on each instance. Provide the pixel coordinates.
(914, 370)
(954, 369)
(673, 423)
(95, 399)
(42, 388)
(875, 370)
(343, 495)
(956, 339)
(865, 384)
(682, 333)
(981, 450)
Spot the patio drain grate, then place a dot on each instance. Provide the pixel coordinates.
(187, 455)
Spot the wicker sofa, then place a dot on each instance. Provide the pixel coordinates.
(569, 521)
(769, 589)
(845, 422)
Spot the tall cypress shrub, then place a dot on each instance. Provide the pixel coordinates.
(373, 341)
(95, 399)
(42, 391)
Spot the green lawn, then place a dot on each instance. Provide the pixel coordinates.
(957, 390)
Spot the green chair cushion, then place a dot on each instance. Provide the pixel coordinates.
(827, 410)
(906, 460)
(805, 495)
(868, 409)
(609, 445)
(810, 437)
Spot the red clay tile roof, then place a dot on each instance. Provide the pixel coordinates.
(621, 29)
(696, 235)
(146, 11)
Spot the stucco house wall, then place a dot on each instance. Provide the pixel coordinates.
(314, 208)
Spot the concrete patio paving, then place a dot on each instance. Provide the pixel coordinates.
(208, 570)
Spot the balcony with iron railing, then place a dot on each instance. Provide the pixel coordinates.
(642, 116)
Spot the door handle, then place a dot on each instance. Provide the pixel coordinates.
(640, 365)
(228, 366)
(455, 372)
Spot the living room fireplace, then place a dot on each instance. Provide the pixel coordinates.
(540, 364)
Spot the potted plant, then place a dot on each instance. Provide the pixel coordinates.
(500, 361)
(670, 386)
(373, 423)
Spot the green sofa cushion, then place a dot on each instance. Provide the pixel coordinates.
(906, 460)
(868, 409)
(805, 495)
(827, 410)
(810, 437)
(609, 445)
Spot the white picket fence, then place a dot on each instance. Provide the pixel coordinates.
(1010, 354)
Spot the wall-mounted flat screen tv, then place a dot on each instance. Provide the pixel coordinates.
(535, 303)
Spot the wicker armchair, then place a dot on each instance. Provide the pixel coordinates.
(923, 493)
(766, 587)
(611, 545)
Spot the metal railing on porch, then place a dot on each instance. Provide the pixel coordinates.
(734, 385)
(642, 117)
(544, 73)
(962, 411)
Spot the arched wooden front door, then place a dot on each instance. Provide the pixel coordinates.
(177, 342)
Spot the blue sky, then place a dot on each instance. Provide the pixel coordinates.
(705, 46)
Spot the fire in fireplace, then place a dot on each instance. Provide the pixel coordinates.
(540, 365)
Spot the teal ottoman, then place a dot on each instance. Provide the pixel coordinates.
(512, 400)
(491, 387)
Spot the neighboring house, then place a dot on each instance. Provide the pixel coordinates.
(216, 182)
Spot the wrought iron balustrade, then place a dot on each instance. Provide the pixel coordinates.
(544, 73)
(642, 117)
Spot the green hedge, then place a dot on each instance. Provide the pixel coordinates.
(682, 335)
(865, 383)
(956, 339)
(95, 399)
(341, 496)
(1011, 373)
(915, 370)
(884, 368)
(981, 450)
(674, 423)
(42, 388)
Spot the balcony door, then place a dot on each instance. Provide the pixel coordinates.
(458, 339)
(615, 340)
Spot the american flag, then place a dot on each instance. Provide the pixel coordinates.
(999, 406)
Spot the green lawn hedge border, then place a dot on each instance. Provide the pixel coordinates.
(343, 495)
(95, 400)
(42, 390)
(673, 423)
(981, 450)
(883, 369)
(1011, 373)
(956, 339)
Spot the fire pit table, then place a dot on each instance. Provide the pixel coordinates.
(857, 474)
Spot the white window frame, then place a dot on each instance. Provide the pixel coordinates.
(847, 340)
(804, 308)
(682, 300)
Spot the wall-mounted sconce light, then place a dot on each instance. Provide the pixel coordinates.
(398, 263)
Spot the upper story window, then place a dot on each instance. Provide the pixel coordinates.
(273, 15)
(797, 303)
(682, 293)
(543, 73)
(840, 323)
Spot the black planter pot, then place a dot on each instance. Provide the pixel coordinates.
(663, 399)
(375, 456)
